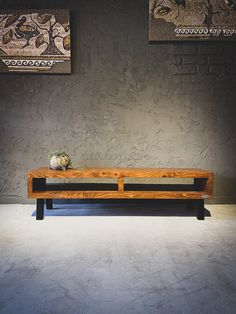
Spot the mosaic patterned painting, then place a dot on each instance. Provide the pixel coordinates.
(35, 41)
(192, 20)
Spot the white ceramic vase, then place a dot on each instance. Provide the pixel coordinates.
(54, 163)
(59, 163)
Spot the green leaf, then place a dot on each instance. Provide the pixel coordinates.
(11, 20)
(7, 37)
(44, 18)
(66, 42)
(39, 41)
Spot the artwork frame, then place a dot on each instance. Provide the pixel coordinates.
(35, 41)
(196, 20)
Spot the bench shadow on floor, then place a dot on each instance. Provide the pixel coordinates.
(122, 208)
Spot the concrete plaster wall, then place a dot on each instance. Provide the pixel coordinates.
(127, 102)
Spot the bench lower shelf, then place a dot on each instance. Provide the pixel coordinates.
(121, 195)
(111, 191)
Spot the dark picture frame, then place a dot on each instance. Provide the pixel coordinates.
(35, 41)
(196, 20)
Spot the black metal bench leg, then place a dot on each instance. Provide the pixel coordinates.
(49, 204)
(40, 209)
(200, 209)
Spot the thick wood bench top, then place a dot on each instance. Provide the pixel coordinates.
(45, 172)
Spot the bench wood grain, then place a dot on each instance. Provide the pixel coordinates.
(202, 187)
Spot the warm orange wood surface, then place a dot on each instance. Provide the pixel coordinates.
(120, 174)
(121, 195)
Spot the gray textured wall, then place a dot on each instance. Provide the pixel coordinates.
(127, 103)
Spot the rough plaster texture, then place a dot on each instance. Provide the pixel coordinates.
(127, 103)
(113, 265)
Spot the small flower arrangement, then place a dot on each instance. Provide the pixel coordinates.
(59, 160)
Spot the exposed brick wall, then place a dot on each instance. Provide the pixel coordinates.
(196, 62)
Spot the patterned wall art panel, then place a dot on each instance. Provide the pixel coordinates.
(36, 41)
(173, 20)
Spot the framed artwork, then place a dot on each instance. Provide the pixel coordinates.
(176, 20)
(36, 41)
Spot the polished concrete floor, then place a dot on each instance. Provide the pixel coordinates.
(117, 258)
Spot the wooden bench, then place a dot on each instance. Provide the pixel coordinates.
(200, 189)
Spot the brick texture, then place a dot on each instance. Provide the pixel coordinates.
(202, 60)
